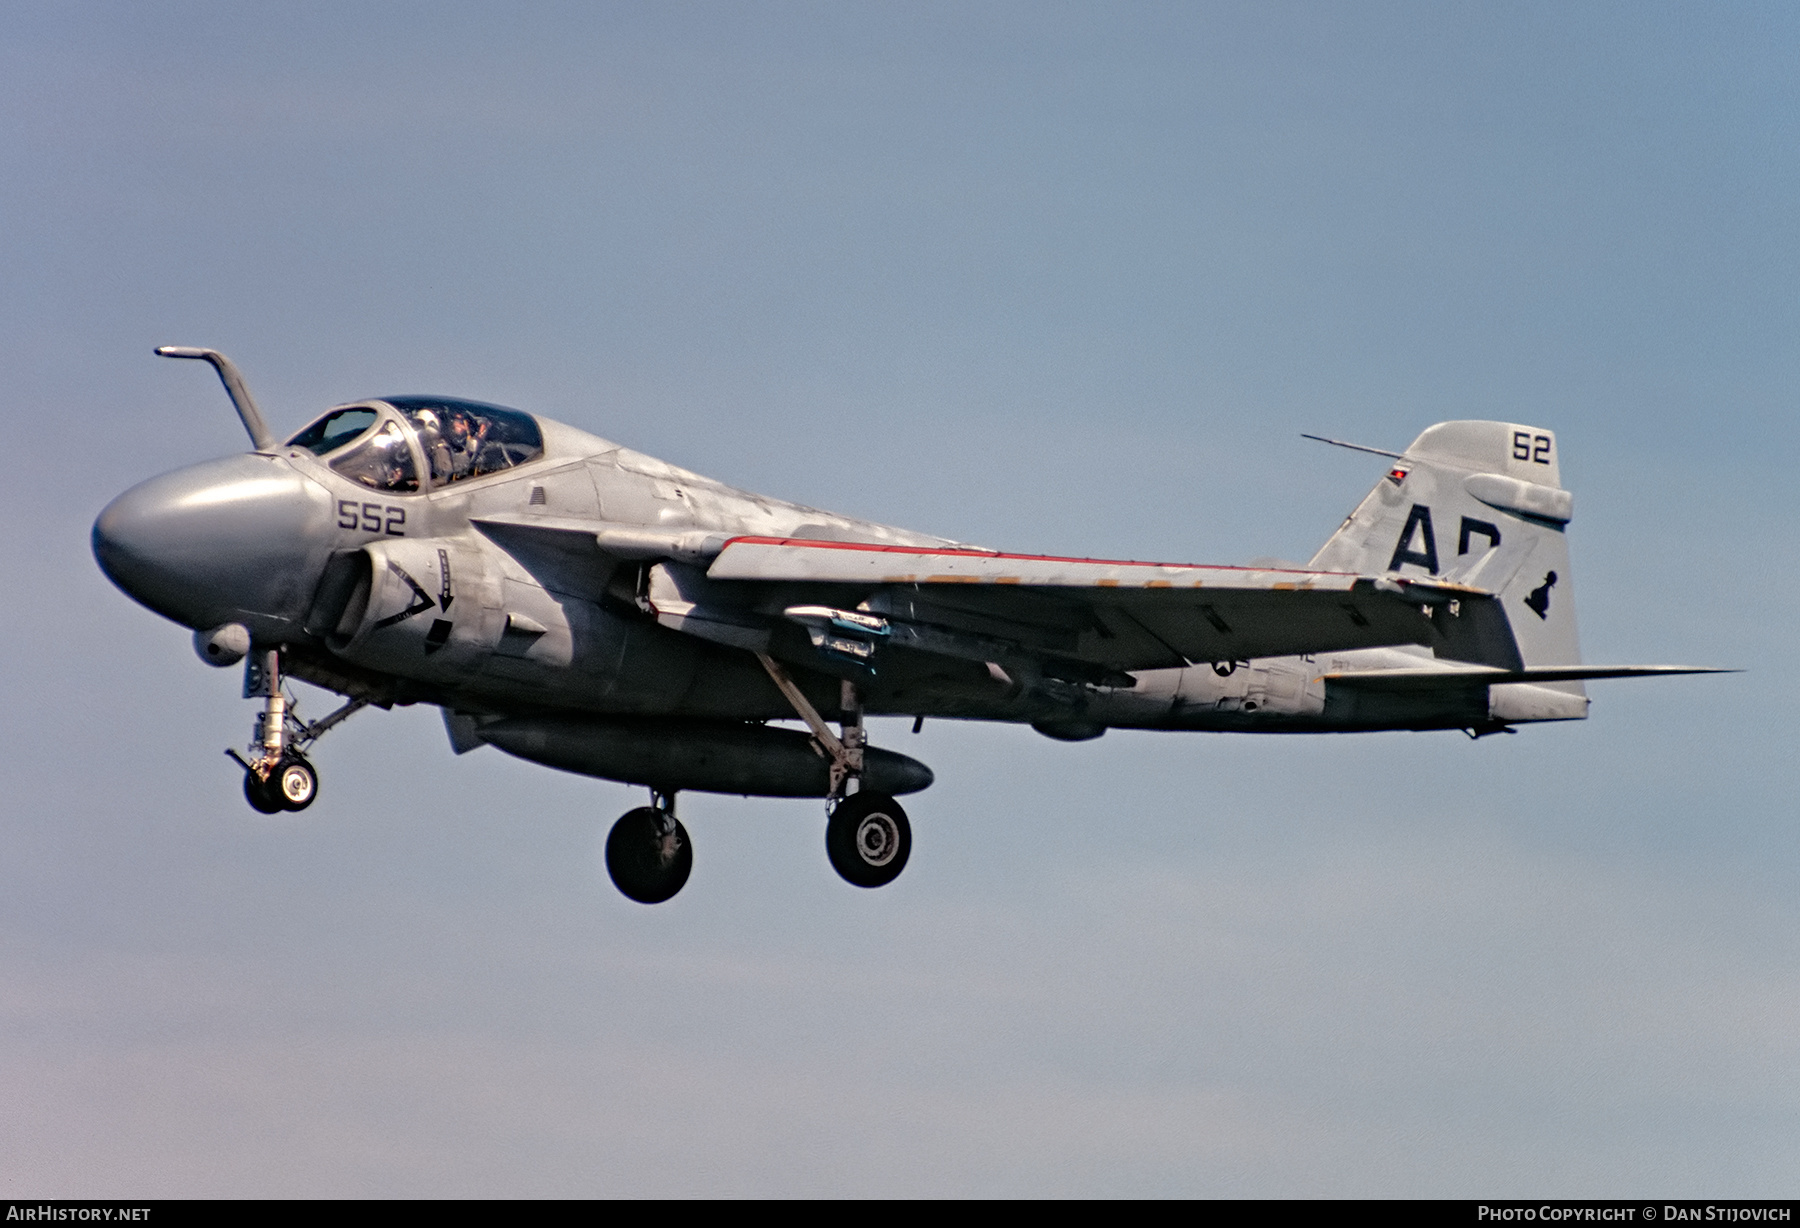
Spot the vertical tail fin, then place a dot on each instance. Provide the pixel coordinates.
(1481, 503)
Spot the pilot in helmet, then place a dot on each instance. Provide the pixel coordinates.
(431, 443)
(464, 440)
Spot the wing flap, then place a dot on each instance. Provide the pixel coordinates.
(1228, 625)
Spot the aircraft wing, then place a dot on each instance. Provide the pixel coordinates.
(1107, 616)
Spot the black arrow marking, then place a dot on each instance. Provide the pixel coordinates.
(421, 599)
(445, 597)
(437, 636)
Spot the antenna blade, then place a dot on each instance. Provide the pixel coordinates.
(1354, 447)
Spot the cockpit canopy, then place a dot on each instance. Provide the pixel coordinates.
(447, 439)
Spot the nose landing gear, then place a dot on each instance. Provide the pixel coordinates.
(648, 852)
(277, 775)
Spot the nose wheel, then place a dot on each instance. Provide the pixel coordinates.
(296, 784)
(868, 839)
(648, 853)
(260, 795)
(291, 786)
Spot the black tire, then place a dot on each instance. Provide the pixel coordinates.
(261, 794)
(868, 839)
(648, 855)
(294, 784)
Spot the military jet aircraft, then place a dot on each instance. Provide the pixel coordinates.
(581, 605)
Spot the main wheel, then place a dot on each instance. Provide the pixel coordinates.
(648, 855)
(295, 783)
(261, 794)
(868, 839)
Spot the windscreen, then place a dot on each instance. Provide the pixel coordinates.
(334, 430)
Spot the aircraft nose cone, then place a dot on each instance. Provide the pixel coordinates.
(239, 539)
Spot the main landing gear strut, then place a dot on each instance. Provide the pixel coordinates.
(867, 837)
(277, 774)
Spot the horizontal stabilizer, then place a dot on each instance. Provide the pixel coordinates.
(1441, 679)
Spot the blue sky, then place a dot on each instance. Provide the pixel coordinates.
(1049, 277)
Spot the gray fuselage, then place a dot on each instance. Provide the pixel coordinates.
(488, 595)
